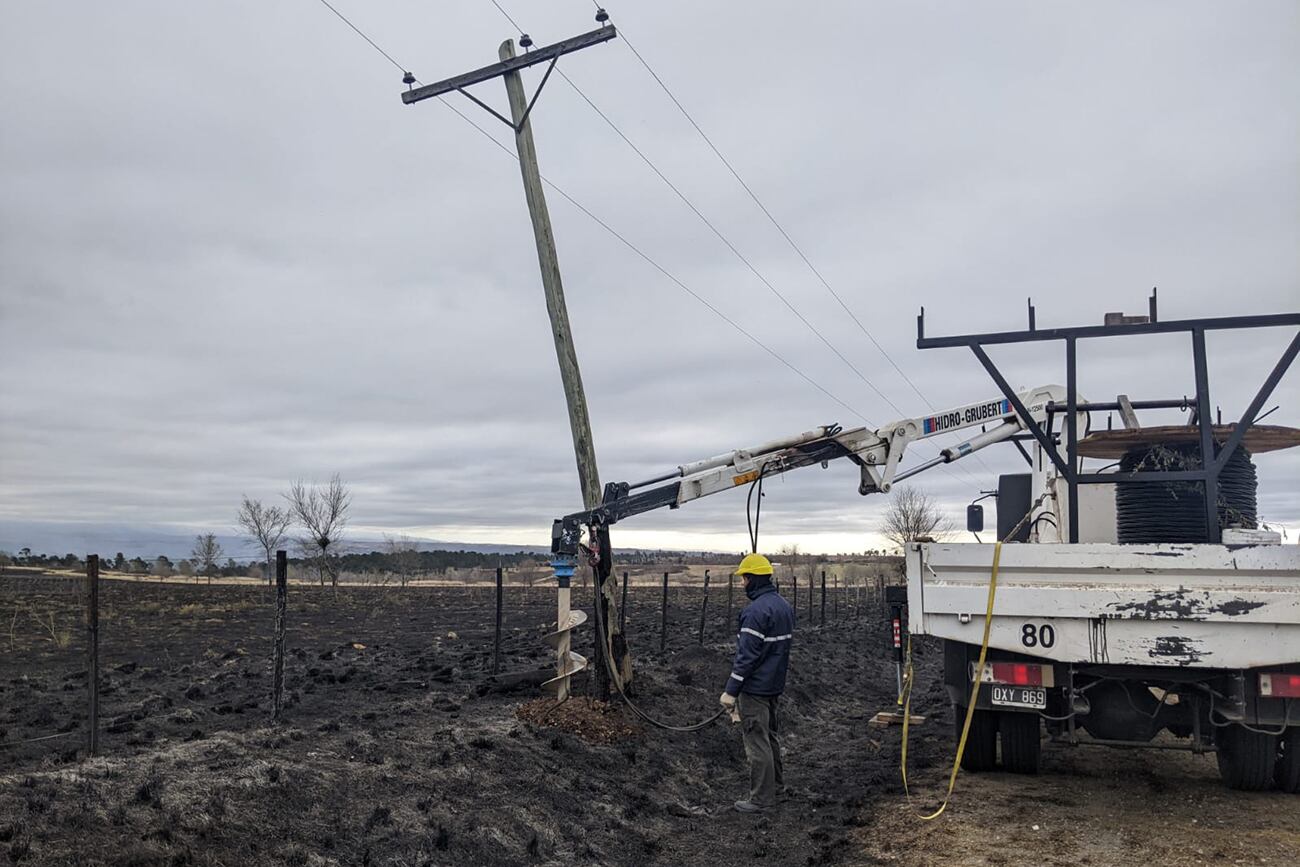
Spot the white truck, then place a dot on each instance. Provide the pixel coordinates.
(1133, 601)
(1121, 642)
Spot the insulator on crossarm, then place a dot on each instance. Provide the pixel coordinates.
(601, 15)
(525, 41)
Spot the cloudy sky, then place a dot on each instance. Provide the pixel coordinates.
(230, 257)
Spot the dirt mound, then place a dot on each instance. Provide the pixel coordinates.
(593, 721)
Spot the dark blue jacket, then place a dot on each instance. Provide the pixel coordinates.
(763, 645)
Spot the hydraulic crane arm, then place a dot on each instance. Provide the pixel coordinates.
(878, 454)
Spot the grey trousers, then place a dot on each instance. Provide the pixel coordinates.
(758, 721)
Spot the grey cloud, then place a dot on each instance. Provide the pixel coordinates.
(229, 257)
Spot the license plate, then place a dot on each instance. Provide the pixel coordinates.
(1020, 696)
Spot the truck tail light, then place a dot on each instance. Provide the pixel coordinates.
(1279, 685)
(1017, 674)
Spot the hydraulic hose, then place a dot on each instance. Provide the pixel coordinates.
(618, 682)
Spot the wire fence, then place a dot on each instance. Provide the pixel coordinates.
(178, 660)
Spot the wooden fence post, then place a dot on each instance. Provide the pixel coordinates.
(731, 582)
(704, 606)
(281, 604)
(663, 620)
(622, 608)
(835, 598)
(92, 648)
(823, 597)
(496, 641)
(810, 595)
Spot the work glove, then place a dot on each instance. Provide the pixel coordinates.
(729, 704)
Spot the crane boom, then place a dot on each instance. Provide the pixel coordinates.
(878, 454)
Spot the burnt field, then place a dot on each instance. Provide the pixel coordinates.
(400, 747)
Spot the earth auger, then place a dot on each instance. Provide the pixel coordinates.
(568, 662)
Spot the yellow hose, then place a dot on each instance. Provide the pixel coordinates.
(906, 698)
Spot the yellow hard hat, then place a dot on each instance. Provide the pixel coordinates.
(755, 564)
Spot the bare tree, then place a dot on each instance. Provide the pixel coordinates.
(913, 515)
(791, 557)
(323, 513)
(207, 551)
(404, 555)
(265, 525)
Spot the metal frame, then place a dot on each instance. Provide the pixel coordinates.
(1211, 466)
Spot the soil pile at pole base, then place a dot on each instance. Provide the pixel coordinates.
(596, 722)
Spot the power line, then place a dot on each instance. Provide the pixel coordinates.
(502, 10)
(780, 228)
(727, 242)
(628, 243)
(732, 247)
(713, 228)
(608, 228)
(372, 42)
(661, 269)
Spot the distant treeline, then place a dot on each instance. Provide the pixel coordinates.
(430, 562)
(160, 565)
(438, 562)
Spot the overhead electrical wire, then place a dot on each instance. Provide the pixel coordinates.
(731, 246)
(711, 226)
(372, 42)
(640, 253)
(727, 242)
(664, 271)
(761, 206)
(502, 10)
(610, 229)
(776, 223)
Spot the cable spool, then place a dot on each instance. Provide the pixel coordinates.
(1175, 511)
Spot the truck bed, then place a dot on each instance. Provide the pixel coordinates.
(1204, 606)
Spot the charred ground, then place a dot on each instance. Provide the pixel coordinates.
(399, 747)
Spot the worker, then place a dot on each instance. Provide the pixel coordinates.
(757, 680)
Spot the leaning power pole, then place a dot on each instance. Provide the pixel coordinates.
(567, 662)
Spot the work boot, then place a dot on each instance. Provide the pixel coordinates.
(749, 807)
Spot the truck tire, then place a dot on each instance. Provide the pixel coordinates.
(1022, 746)
(1246, 758)
(981, 753)
(1287, 772)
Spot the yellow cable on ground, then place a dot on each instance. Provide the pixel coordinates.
(906, 698)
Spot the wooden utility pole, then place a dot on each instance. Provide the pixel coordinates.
(575, 398)
(584, 449)
(547, 259)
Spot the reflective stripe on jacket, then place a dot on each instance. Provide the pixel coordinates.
(762, 644)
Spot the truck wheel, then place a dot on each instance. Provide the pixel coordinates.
(1287, 772)
(1022, 747)
(981, 751)
(1246, 758)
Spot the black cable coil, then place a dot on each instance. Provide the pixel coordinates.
(1175, 511)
